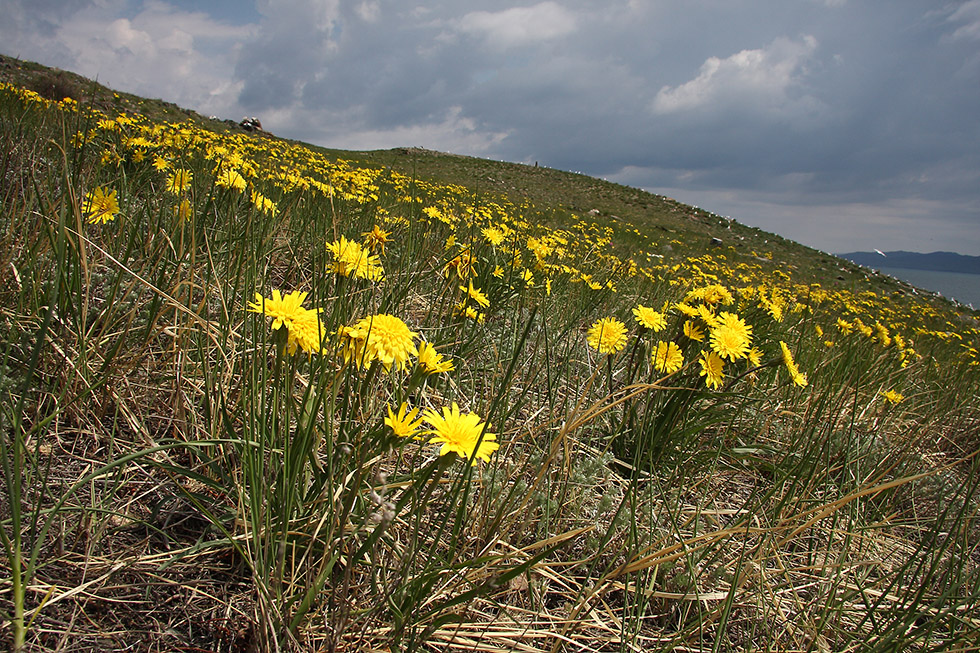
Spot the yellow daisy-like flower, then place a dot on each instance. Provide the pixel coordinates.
(476, 295)
(101, 206)
(179, 180)
(892, 397)
(460, 433)
(494, 236)
(305, 332)
(350, 259)
(160, 163)
(263, 203)
(607, 336)
(729, 343)
(650, 318)
(707, 316)
(230, 179)
(462, 264)
(712, 369)
(387, 339)
(693, 331)
(667, 358)
(404, 423)
(303, 325)
(731, 337)
(183, 210)
(351, 344)
(686, 309)
(432, 361)
(798, 377)
(375, 240)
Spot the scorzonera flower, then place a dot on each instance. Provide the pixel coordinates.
(403, 423)
(350, 259)
(432, 361)
(667, 358)
(101, 206)
(607, 336)
(461, 433)
(712, 369)
(387, 339)
(650, 318)
(303, 325)
(798, 377)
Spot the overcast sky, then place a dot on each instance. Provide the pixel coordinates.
(843, 124)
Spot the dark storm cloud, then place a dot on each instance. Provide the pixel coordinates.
(856, 117)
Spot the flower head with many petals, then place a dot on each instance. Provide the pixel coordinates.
(101, 206)
(387, 339)
(607, 336)
(667, 358)
(461, 433)
(649, 318)
(350, 259)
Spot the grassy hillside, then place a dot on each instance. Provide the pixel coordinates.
(258, 395)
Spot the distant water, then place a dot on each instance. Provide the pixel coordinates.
(964, 288)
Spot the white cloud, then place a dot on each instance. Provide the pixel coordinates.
(451, 131)
(160, 51)
(968, 14)
(759, 79)
(369, 11)
(519, 25)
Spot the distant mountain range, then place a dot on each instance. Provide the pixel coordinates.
(937, 261)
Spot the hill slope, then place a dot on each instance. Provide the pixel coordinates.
(261, 396)
(667, 227)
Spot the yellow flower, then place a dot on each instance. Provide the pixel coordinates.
(387, 339)
(668, 357)
(731, 336)
(729, 343)
(101, 206)
(476, 295)
(160, 163)
(798, 377)
(462, 263)
(650, 318)
(375, 240)
(493, 235)
(693, 331)
(352, 260)
(351, 343)
(263, 203)
(607, 336)
(179, 180)
(305, 332)
(686, 309)
(183, 210)
(460, 433)
(304, 328)
(712, 368)
(707, 316)
(230, 179)
(404, 424)
(892, 397)
(432, 361)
